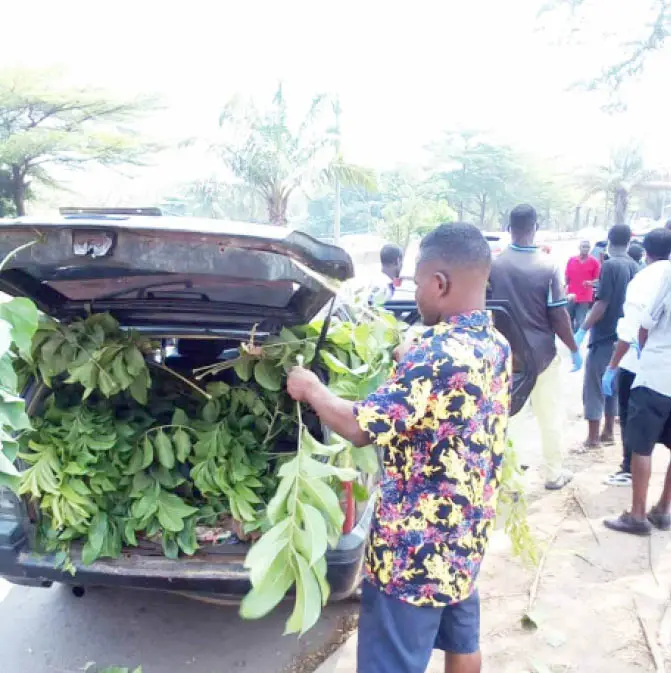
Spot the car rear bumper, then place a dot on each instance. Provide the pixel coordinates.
(221, 574)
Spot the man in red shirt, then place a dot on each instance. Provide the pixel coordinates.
(582, 272)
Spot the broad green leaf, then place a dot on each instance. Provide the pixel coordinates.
(13, 412)
(267, 375)
(333, 364)
(182, 443)
(170, 546)
(164, 450)
(97, 534)
(325, 500)
(319, 570)
(348, 390)
(266, 594)
(266, 548)
(8, 378)
(172, 511)
(5, 337)
(244, 366)
(315, 469)
(277, 507)
(179, 417)
(308, 599)
(135, 362)
(315, 527)
(366, 458)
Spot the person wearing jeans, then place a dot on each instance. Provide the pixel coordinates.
(601, 324)
(640, 292)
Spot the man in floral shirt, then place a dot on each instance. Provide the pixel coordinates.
(440, 422)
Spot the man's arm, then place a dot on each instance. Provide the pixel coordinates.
(596, 313)
(560, 322)
(606, 289)
(338, 414)
(621, 349)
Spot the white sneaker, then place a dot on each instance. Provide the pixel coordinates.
(556, 484)
(618, 478)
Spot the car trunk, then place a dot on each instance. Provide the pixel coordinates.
(200, 288)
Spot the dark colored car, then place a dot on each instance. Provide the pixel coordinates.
(176, 278)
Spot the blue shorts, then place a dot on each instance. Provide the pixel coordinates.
(396, 637)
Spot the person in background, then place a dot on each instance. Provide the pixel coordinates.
(640, 292)
(635, 251)
(440, 422)
(581, 273)
(527, 278)
(649, 416)
(668, 224)
(383, 285)
(601, 323)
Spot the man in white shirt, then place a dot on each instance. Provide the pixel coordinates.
(649, 416)
(641, 290)
(383, 285)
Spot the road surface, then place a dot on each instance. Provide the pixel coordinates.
(52, 631)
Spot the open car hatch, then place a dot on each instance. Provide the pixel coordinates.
(180, 274)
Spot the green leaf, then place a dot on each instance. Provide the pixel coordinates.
(267, 375)
(315, 527)
(333, 364)
(97, 535)
(13, 412)
(182, 443)
(172, 511)
(135, 362)
(244, 366)
(264, 550)
(8, 377)
(325, 500)
(211, 411)
(314, 469)
(164, 451)
(308, 599)
(170, 546)
(266, 594)
(179, 417)
(366, 458)
(277, 507)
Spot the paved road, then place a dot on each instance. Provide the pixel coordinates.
(52, 631)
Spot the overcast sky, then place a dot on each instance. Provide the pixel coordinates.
(404, 71)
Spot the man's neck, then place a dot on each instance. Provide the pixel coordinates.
(524, 242)
(389, 272)
(468, 305)
(617, 251)
(582, 258)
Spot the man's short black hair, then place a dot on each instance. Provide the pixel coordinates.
(635, 251)
(391, 253)
(620, 235)
(523, 219)
(456, 244)
(657, 243)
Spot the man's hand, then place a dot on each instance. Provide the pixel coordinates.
(301, 384)
(577, 361)
(607, 382)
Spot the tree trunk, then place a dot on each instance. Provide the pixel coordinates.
(18, 188)
(621, 203)
(277, 209)
(483, 210)
(576, 219)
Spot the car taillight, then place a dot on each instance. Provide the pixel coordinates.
(348, 507)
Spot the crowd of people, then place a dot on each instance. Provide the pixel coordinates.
(441, 420)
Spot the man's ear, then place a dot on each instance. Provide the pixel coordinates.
(443, 283)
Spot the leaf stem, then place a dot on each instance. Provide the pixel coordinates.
(183, 379)
(16, 251)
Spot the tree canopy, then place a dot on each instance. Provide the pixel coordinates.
(264, 151)
(45, 124)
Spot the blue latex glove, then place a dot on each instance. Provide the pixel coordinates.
(580, 336)
(607, 382)
(577, 361)
(637, 347)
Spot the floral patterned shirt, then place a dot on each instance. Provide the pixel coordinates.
(441, 423)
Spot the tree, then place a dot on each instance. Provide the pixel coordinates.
(645, 38)
(265, 153)
(625, 172)
(214, 199)
(480, 179)
(44, 124)
(408, 208)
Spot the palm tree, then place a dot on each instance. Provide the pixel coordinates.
(273, 159)
(624, 173)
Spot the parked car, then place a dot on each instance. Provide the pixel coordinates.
(174, 278)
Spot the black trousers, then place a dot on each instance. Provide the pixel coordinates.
(625, 379)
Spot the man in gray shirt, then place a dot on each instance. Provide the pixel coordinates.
(527, 279)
